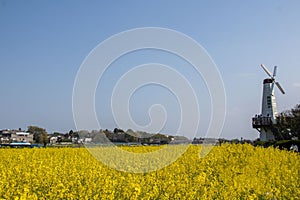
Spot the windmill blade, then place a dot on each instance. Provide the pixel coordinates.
(280, 88)
(272, 86)
(267, 71)
(275, 71)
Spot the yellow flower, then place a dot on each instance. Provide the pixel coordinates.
(228, 171)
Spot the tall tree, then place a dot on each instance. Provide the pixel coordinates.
(288, 124)
(39, 134)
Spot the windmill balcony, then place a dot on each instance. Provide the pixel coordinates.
(260, 121)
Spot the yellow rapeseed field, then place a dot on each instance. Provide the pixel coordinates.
(227, 172)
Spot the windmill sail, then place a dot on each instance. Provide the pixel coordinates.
(266, 70)
(273, 78)
(280, 88)
(275, 71)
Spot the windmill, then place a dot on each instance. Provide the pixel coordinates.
(263, 122)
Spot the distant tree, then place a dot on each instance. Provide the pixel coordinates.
(71, 133)
(43, 139)
(100, 138)
(116, 130)
(56, 133)
(160, 136)
(295, 128)
(288, 124)
(129, 131)
(74, 134)
(39, 134)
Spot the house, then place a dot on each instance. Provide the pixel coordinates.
(5, 136)
(22, 137)
(8, 136)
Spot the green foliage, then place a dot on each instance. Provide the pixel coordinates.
(286, 144)
(281, 144)
(288, 124)
(39, 134)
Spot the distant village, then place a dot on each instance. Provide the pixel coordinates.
(37, 135)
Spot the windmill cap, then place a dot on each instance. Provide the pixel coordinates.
(268, 80)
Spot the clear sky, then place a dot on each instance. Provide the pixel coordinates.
(43, 43)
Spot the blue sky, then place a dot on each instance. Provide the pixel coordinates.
(43, 43)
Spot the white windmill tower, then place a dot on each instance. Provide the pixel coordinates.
(263, 122)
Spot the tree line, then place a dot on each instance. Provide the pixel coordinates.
(287, 127)
(288, 124)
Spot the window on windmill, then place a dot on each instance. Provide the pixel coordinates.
(269, 101)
